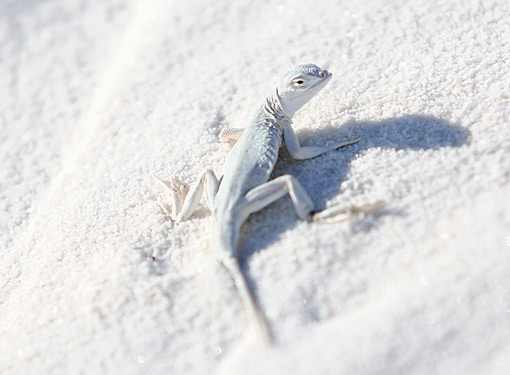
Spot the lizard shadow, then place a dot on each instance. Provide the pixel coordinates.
(322, 178)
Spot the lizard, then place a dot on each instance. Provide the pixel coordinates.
(244, 185)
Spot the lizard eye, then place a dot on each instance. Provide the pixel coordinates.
(298, 82)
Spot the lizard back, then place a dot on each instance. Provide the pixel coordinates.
(248, 165)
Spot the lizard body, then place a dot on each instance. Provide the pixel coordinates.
(244, 187)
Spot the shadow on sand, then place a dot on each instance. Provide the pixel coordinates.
(410, 132)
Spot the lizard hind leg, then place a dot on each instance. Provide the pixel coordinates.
(265, 194)
(185, 200)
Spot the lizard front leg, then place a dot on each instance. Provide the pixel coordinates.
(185, 200)
(231, 134)
(308, 152)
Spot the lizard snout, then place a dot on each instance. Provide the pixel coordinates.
(324, 73)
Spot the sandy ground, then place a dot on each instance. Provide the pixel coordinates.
(96, 96)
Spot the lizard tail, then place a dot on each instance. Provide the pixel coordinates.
(255, 314)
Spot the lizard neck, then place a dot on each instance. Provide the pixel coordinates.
(273, 107)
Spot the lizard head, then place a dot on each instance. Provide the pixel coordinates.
(296, 87)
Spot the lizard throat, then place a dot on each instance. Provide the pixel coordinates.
(274, 108)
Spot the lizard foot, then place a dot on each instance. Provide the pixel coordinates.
(340, 212)
(177, 191)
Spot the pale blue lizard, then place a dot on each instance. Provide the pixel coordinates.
(244, 188)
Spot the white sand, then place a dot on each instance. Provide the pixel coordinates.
(97, 96)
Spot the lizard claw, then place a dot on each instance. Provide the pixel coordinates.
(348, 142)
(179, 187)
(167, 209)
